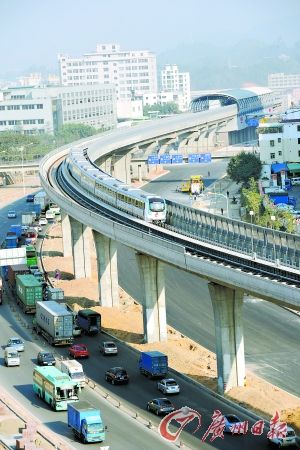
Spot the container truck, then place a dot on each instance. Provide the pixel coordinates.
(86, 422)
(11, 241)
(28, 218)
(17, 229)
(50, 215)
(54, 322)
(89, 321)
(54, 293)
(36, 208)
(13, 271)
(153, 364)
(29, 290)
(41, 199)
(75, 371)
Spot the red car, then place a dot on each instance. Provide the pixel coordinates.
(79, 351)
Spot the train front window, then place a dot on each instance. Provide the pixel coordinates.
(156, 204)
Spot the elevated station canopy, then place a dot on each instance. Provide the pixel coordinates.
(254, 100)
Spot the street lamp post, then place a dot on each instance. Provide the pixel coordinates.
(273, 218)
(23, 178)
(251, 213)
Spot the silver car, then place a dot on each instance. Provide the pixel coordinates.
(108, 348)
(168, 386)
(288, 441)
(17, 343)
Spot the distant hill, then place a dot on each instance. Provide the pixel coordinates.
(248, 61)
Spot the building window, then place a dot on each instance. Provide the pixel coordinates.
(2, 122)
(272, 143)
(272, 155)
(39, 106)
(279, 140)
(298, 127)
(279, 153)
(40, 121)
(298, 140)
(298, 152)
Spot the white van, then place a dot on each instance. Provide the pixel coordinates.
(75, 371)
(11, 357)
(50, 215)
(295, 181)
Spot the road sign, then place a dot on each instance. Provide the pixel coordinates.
(153, 159)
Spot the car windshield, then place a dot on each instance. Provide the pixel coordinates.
(16, 341)
(77, 375)
(47, 356)
(156, 204)
(290, 433)
(95, 428)
(109, 345)
(121, 372)
(165, 402)
(233, 419)
(79, 348)
(171, 383)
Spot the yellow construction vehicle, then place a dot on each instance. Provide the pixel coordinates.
(193, 186)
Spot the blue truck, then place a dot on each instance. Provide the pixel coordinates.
(11, 241)
(153, 364)
(17, 229)
(86, 422)
(89, 321)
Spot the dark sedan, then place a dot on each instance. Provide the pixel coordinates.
(117, 375)
(160, 406)
(45, 359)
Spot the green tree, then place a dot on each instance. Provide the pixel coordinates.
(166, 108)
(73, 132)
(244, 166)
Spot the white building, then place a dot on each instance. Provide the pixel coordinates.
(279, 138)
(177, 82)
(283, 80)
(161, 98)
(31, 110)
(133, 72)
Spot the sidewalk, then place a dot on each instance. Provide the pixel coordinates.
(214, 199)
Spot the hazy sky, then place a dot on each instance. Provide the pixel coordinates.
(33, 32)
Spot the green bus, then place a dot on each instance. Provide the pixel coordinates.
(31, 255)
(55, 387)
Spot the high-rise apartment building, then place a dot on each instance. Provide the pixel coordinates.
(178, 82)
(133, 72)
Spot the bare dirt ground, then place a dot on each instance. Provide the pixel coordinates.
(185, 355)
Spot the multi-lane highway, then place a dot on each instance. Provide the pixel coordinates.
(272, 334)
(123, 431)
(271, 348)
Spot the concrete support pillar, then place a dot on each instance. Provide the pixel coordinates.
(227, 306)
(154, 304)
(106, 250)
(81, 249)
(122, 168)
(66, 234)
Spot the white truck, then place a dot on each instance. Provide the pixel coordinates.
(27, 218)
(42, 199)
(75, 371)
(54, 322)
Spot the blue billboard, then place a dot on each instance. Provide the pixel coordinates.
(193, 158)
(153, 159)
(165, 159)
(177, 159)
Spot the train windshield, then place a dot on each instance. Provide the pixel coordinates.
(156, 204)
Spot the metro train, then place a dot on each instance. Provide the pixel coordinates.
(136, 202)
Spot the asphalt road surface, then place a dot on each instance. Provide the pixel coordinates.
(124, 433)
(272, 334)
